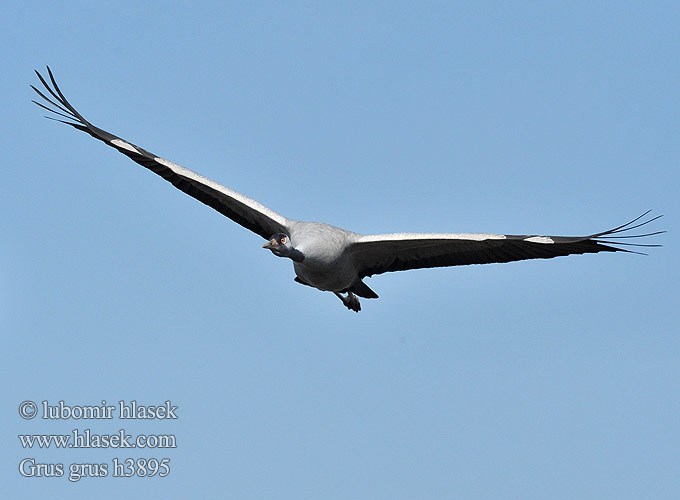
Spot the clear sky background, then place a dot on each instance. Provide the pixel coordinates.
(554, 379)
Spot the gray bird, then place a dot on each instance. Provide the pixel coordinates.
(333, 259)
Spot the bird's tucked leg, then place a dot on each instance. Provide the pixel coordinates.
(350, 301)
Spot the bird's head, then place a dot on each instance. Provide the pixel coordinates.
(281, 246)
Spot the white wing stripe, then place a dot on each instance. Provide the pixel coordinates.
(539, 239)
(249, 202)
(430, 236)
(122, 144)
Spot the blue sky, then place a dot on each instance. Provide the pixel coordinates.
(540, 379)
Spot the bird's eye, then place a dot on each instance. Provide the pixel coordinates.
(283, 240)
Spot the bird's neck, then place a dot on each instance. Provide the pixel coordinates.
(296, 255)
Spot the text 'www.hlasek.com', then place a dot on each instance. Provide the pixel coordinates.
(85, 438)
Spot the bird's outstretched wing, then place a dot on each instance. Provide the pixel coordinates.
(241, 209)
(381, 253)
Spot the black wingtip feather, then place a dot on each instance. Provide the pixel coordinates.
(64, 115)
(58, 100)
(605, 237)
(63, 99)
(628, 226)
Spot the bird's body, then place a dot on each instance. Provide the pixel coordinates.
(327, 264)
(333, 259)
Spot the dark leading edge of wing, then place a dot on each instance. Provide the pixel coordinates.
(241, 209)
(376, 254)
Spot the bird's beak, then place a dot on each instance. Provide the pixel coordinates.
(270, 244)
